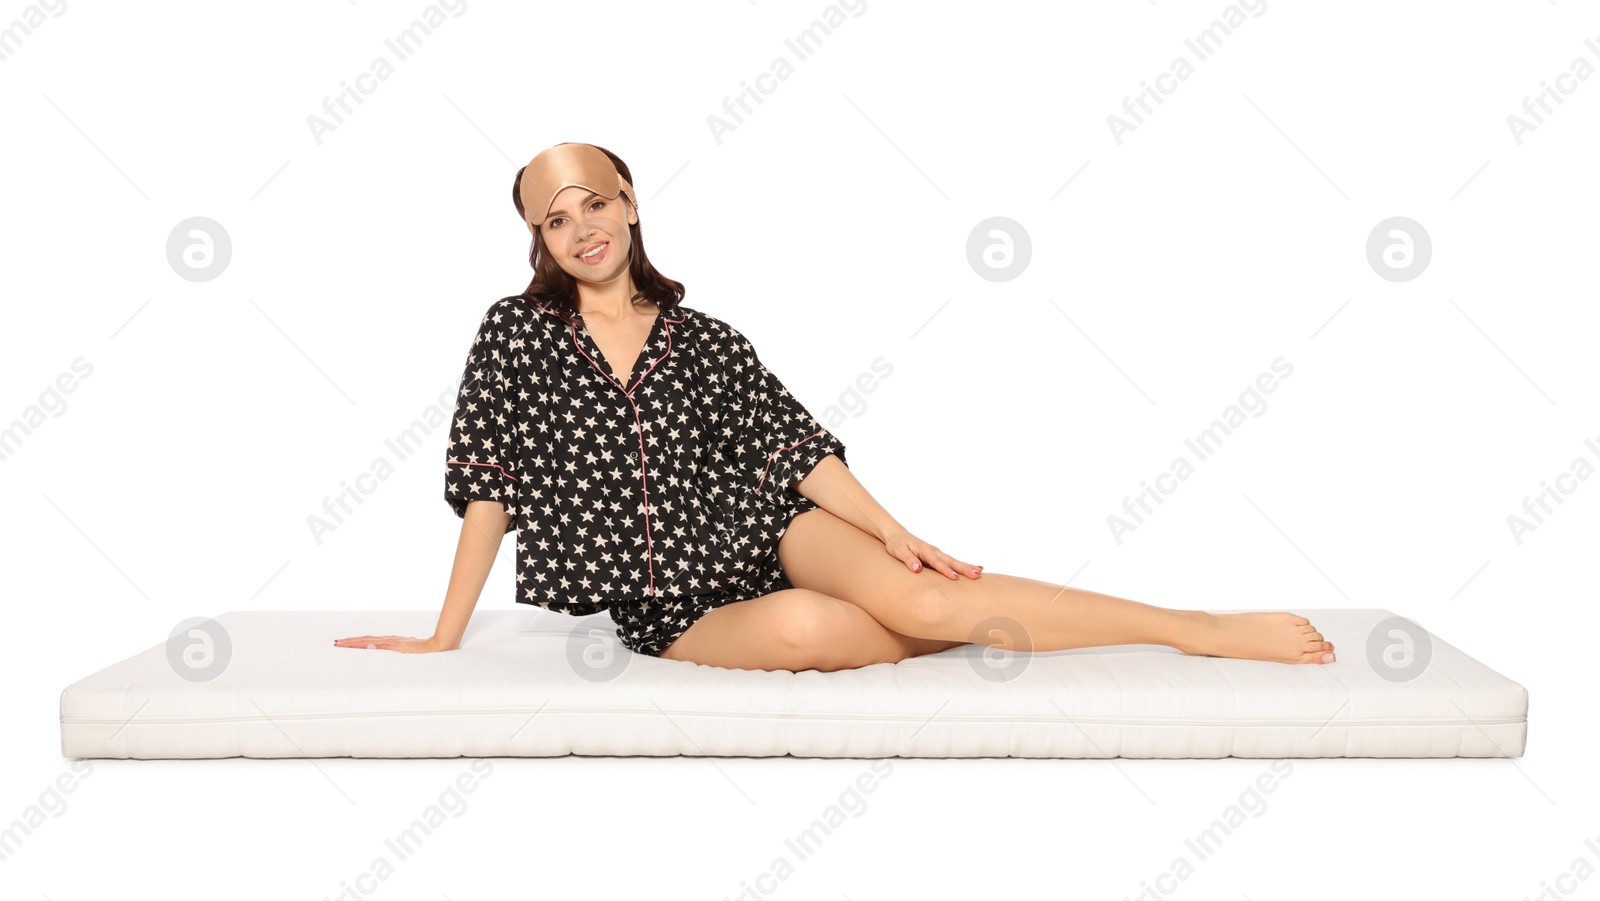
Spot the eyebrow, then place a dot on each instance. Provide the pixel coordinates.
(592, 195)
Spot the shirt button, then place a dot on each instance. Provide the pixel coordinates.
(633, 457)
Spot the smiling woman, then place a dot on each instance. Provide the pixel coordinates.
(568, 216)
(698, 501)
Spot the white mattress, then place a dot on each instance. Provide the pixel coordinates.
(510, 691)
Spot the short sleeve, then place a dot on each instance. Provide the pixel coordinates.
(773, 437)
(481, 458)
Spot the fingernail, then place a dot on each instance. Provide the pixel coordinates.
(1327, 658)
(916, 567)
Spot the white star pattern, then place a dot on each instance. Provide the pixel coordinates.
(660, 500)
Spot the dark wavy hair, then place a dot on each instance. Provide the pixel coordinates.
(558, 291)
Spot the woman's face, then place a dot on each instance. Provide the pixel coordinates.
(581, 220)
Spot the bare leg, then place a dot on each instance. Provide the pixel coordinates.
(795, 629)
(825, 553)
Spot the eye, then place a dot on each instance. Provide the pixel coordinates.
(552, 222)
(601, 202)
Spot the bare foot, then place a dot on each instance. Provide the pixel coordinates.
(1279, 637)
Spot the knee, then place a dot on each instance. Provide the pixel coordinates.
(821, 632)
(809, 621)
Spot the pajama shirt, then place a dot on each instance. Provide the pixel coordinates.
(657, 499)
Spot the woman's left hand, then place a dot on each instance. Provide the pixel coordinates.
(913, 552)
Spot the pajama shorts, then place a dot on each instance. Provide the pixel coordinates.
(671, 623)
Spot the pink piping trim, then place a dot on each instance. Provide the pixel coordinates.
(649, 543)
(490, 465)
(781, 450)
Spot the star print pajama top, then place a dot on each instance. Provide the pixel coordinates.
(659, 499)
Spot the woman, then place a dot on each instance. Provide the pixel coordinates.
(692, 496)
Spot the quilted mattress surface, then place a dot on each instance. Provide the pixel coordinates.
(530, 683)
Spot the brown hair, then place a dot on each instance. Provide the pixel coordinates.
(558, 291)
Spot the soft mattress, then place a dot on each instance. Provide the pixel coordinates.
(532, 683)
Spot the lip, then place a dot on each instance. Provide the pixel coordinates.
(588, 247)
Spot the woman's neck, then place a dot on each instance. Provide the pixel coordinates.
(610, 301)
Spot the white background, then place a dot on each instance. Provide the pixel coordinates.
(831, 225)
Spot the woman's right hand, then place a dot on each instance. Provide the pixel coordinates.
(402, 643)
